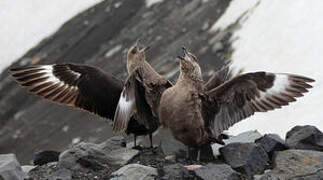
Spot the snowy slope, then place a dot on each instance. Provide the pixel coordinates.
(25, 23)
(281, 36)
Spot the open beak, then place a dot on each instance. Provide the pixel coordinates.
(145, 49)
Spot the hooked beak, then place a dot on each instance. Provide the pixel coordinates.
(139, 45)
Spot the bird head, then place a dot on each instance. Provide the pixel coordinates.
(189, 65)
(135, 55)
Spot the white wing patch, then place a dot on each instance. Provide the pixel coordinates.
(42, 81)
(123, 113)
(286, 87)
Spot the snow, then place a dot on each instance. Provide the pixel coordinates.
(280, 36)
(149, 3)
(25, 23)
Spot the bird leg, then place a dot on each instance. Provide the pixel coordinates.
(198, 154)
(135, 141)
(151, 140)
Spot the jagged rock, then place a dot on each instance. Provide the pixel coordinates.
(168, 144)
(10, 168)
(245, 137)
(217, 171)
(84, 155)
(121, 156)
(305, 137)
(296, 165)
(247, 158)
(135, 171)
(113, 143)
(175, 172)
(271, 143)
(62, 174)
(44, 157)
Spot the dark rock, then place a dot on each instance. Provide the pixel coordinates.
(135, 171)
(271, 143)
(10, 168)
(84, 155)
(305, 137)
(62, 174)
(175, 172)
(245, 137)
(247, 158)
(121, 156)
(113, 143)
(44, 157)
(296, 165)
(217, 171)
(91, 156)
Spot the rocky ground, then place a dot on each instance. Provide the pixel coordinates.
(249, 155)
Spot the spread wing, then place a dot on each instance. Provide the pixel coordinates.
(244, 95)
(80, 86)
(139, 97)
(218, 78)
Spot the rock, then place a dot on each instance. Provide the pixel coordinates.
(27, 168)
(297, 164)
(175, 172)
(135, 171)
(245, 137)
(84, 155)
(305, 137)
(121, 156)
(62, 174)
(115, 142)
(247, 158)
(10, 168)
(217, 171)
(44, 157)
(271, 143)
(168, 144)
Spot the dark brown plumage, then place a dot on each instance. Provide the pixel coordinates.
(197, 114)
(141, 94)
(81, 86)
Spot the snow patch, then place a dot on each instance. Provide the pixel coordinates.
(26, 23)
(149, 3)
(113, 51)
(284, 37)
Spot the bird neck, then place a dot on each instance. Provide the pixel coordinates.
(190, 79)
(133, 64)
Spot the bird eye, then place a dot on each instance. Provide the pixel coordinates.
(134, 51)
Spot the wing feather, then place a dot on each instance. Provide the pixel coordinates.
(246, 94)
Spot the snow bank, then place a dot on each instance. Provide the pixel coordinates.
(280, 36)
(25, 23)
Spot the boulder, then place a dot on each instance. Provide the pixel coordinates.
(305, 137)
(175, 172)
(296, 164)
(245, 137)
(121, 156)
(113, 143)
(84, 155)
(135, 171)
(44, 157)
(272, 143)
(62, 174)
(10, 168)
(247, 158)
(217, 171)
